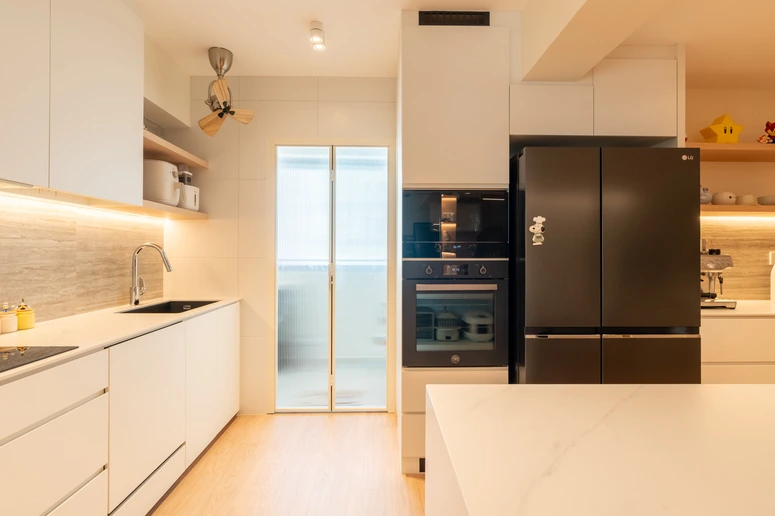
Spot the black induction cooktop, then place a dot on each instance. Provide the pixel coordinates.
(11, 358)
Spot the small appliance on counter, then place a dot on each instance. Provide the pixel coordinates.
(712, 265)
(160, 182)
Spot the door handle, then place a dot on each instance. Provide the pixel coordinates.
(447, 288)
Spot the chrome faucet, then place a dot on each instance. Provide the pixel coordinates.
(138, 284)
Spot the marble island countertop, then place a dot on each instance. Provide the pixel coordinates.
(93, 331)
(600, 450)
(744, 309)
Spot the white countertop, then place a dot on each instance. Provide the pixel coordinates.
(93, 331)
(609, 450)
(744, 309)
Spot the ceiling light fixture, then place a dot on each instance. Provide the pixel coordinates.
(316, 36)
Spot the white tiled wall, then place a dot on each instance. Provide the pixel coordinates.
(232, 253)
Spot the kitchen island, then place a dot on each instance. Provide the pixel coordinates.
(600, 450)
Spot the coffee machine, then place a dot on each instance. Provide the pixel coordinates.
(712, 265)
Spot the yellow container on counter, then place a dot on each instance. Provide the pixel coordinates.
(26, 316)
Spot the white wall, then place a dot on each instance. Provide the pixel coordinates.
(167, 100)
(233, 252)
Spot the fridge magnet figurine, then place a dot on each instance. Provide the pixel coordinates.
(722, 130)
(769, 133)
(538, 230)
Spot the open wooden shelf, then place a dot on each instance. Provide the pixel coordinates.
(155, 147)
(736, 152)
(158, 210)
(735, 210)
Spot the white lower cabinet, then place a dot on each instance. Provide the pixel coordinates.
(412, 419)
(151, 491)
(212, 376)
(147, 407)
(47, 464)
(738, 350)
(738, 373)
(90, 500)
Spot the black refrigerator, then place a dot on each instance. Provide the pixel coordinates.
(605, 245)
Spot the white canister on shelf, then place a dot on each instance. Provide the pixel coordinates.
(9, 323)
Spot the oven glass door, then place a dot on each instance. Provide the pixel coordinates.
(455, 224)
(456, 324)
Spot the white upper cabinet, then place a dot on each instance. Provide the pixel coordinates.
(551, 109)
(97, 100)
(455, 106)
(24, 33)
(636, 97)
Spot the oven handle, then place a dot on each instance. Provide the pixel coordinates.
(447, 288)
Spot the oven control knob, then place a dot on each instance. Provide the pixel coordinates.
(428, 270)
(482, 270)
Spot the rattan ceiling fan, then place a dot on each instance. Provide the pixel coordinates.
(219, 95)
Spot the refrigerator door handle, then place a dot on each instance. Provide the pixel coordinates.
(585, 336)
(659, 336)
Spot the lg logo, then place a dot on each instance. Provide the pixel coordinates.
(455, 359)
(686, 157)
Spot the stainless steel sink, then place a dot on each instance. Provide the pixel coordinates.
(170, 307)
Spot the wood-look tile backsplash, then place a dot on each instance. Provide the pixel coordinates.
(66, 260)
(748, 241)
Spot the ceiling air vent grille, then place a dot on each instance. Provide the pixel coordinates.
(457, 18)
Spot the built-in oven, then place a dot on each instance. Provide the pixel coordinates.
(455, 224)
(455, 313)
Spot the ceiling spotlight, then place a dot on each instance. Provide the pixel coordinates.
(317, 36)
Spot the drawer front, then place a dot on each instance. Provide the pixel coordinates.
(738, 340)
(154, 488)
(413, 435)
(147, 407)
(90, 500)
(414, 381)
(52, 390)
(737, 373)
(42, 466)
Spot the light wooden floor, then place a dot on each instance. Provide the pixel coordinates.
(301, 465)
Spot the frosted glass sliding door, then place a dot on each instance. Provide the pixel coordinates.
(332, 278)
(360, 286)
(303, 256)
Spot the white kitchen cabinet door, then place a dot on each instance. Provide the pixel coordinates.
(551, 109)
(97, 100)
(455, 106)
(738, 373)
(636, 97)
(90, 500)
(53, 390)
(414, 380)
(738, 339)
(212, 376)
(24, 34)
(147, 407)
(43, 466)
(148, 494)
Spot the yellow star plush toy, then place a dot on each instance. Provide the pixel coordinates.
(723, 130)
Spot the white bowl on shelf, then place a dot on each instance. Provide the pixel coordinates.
(767, 200)
(746, 200)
